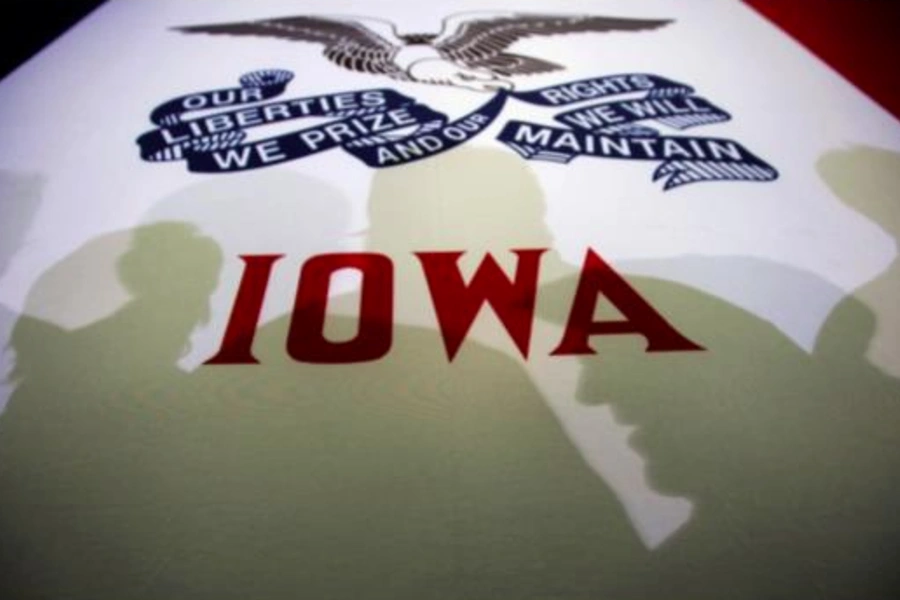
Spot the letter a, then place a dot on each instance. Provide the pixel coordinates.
(597, 278)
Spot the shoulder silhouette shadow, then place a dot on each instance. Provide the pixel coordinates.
(791, 459)
(81, 486)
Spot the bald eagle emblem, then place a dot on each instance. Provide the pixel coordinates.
(469, 52)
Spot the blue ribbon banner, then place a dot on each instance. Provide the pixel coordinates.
(607, 117)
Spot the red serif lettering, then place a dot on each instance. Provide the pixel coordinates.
(598, 278)
(306, 339)
(457, 304)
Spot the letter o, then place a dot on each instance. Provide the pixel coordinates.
(454, 133)
(194, 102)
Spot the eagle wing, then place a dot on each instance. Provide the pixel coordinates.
(482, 42)
(348, 43)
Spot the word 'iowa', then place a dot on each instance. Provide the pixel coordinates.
(456, 304)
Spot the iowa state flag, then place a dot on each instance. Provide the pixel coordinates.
(444, 300)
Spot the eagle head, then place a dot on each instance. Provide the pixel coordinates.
(414, 39)
(445, 72)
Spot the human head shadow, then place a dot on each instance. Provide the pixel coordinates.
(270, 211)
(867, 179)
(472, 199)
(168, 272)
(791, 458)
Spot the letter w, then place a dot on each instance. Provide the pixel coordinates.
(232, 157)
(457, 304)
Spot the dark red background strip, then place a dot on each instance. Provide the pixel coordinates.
(859, 38)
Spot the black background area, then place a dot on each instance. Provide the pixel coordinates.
(29, 25)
